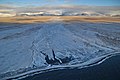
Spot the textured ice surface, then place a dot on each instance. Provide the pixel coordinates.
(26, 47)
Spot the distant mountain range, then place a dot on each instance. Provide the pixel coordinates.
(113, 11)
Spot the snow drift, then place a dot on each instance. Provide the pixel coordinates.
(28, 47)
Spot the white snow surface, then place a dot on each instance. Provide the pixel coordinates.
(23, 47)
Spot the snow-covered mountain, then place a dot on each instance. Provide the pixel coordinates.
(26, 48)
(60, 10)
(66, 13)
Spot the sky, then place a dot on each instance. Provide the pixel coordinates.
(61, 2)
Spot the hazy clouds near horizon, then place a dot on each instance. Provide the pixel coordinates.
(64, 8)
(8, 8)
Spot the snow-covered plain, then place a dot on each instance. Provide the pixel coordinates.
(27, 48)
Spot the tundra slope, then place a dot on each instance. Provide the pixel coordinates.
(24, 48)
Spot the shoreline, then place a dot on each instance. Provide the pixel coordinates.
(38, 19)
(105, 70)
(38, 71)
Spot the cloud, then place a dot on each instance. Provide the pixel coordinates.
(48, 6)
